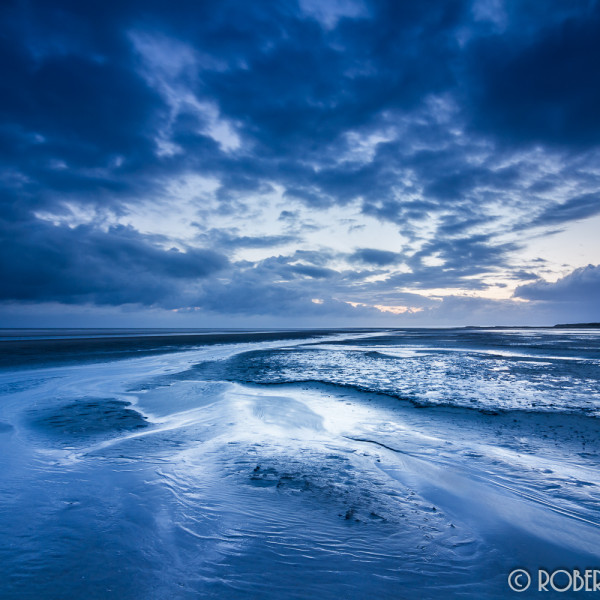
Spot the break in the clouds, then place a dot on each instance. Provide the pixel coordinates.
(344, 161)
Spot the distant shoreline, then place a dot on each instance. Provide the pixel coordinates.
(578, 326)
(558, 326)
(31, 333)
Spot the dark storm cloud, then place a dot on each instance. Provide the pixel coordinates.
(523, 275)
(580, 207)
(541, 84)
(254, 292)
(419, 112)
(463, 179)
(73, 80)
(305, 86)
(464, 262)
(299, 266)
(372, 256)
(70, 97)
(43, 262)
(580, 286)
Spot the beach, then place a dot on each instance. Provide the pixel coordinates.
(233, 471)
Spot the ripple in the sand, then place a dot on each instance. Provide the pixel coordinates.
(86, 418)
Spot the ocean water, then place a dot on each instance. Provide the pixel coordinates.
(296, 464)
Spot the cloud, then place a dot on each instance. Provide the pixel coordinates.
(42, 262)
(580, 286)
(224, 238)
(537, 84)
(461, 262)
(311, 271)
(574, 209)
(449, 127)
(251, 294)
(372, 256)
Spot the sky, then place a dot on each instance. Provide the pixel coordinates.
(299, 163)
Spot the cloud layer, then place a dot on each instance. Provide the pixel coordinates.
(365, 159)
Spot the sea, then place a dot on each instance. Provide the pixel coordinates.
(280, 464)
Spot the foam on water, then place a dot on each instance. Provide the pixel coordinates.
(468, 377)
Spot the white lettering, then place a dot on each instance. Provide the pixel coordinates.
(543, 586)
(578, 581)
(589, 574)
(559, 589)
